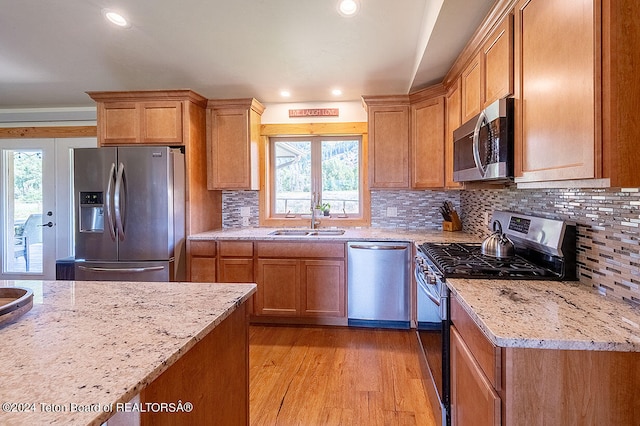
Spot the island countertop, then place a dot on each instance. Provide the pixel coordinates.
(548, 315)
(86, 346)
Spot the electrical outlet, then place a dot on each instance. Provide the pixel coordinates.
(245, 221)
(486, 218)
(392, 211)
(245, 211)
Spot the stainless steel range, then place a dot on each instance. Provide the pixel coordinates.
(543, 249)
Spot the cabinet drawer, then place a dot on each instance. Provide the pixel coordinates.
(202, 248)
(310, 249)
(487, 355)
(236, 248)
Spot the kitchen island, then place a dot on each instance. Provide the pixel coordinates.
(85, 350)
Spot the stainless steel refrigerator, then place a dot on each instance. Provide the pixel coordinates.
(129, 206)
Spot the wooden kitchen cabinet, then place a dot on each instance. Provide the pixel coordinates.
(497, 63)
(322, 288)
(388, 127)
(471, 86)
(233, 137)
(453, 108)
(235, 261)
(201, 261)
(579, 127)
(427, 138)
(513, 386)
(145, 117)
(474, 401)
(556, 106)
(301, 282)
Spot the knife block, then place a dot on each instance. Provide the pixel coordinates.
(454, 225)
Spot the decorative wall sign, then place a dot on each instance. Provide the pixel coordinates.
(314, 112)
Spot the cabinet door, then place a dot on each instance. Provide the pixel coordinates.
(232, 270)
(323, 288)
(427, 123)
(473, 400)
(119, 123)
(201, 261)
(497, 56)
(471, 89)
(556, 109)
(389, 147)
(278, 287)
(161, 122)
(454, 113)
(229, 149)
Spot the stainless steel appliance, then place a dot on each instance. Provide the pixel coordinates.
(379, 284)
(483, 146)
(545, 249)
(129, 205)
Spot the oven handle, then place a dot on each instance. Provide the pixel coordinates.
(425, 287)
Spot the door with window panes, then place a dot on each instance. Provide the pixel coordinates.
(316, 171)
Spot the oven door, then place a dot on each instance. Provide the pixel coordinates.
(433, 335)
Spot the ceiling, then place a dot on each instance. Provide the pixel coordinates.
(52, 52)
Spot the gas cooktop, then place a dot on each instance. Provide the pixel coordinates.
(456, 260)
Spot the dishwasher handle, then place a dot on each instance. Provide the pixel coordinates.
(377, 247)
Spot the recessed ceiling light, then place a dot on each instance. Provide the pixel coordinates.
(336, 92)
(348, 7)
(285, 93)
(115, 18)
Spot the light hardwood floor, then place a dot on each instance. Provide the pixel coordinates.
(335, 376)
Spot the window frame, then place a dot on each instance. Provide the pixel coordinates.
(307, 130)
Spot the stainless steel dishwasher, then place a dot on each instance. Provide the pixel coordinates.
(378, 281)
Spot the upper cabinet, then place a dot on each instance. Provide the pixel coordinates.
(471, 89)
(147, 117)
(497, 62)
(489, 74)
(388, 127)
(576, 92)
(427, 138)
(233, 136)
(453, 108)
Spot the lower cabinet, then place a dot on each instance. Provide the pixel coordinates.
(476, 402)
(300, 280)
(201, 261)
(512, 386)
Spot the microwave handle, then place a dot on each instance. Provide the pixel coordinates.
(482, 120)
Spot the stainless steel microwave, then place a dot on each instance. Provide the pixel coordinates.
(483, 146)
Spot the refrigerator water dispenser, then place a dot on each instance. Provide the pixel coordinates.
(91, 212)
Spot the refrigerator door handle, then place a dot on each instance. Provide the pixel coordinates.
(108, 207)
(119, 201)
(126, 270)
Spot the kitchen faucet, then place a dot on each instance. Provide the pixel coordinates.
(314, 202)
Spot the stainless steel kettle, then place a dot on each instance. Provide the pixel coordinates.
(498, 244)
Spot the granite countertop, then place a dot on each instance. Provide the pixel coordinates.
(351, 234)
(549, 314)
(96, 344)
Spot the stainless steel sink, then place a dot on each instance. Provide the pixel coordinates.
(291, 232)
(306, 232)
(328, 232)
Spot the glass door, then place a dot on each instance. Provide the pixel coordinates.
(28, 209)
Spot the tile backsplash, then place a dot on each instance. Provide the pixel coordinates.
(607, 222)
